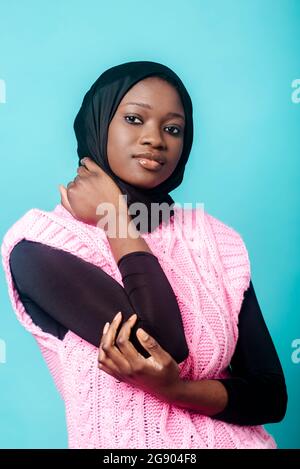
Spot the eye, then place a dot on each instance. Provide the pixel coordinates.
(133, 117)
(177, 130)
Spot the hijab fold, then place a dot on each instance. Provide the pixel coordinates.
(96, 112)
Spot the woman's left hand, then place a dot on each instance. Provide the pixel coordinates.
(158, 374)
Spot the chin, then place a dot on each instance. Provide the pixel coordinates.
(141, 182)
(141, 185)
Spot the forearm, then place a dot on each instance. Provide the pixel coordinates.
(150, 292)
(254, 401)
(207, 397)
(126, 241)
(84, 307)
(153, 298)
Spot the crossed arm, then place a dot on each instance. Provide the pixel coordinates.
(63, 292)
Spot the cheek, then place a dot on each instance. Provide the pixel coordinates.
(181, 146)
(178, 152)
(113, 144)
(118, 139)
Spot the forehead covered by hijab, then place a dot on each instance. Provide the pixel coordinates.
(98, 108)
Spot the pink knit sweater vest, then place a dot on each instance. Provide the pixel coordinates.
(208, 267)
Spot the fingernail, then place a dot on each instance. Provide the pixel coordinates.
(143, 334)
(118, 316)
(133, 317)
(105, 328)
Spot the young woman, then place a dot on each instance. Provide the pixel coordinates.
(207, 375)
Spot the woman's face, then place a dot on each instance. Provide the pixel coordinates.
(147, 128)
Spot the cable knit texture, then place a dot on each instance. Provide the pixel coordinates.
(208, 267)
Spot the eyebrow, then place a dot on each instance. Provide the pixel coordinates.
(169, 114)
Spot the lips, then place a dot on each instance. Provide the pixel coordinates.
(151, 156)
(149, 164)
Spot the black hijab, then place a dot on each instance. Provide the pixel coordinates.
(97, 110)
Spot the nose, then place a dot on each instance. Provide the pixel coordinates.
(152, 135)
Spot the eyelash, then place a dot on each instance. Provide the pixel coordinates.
(169, 126)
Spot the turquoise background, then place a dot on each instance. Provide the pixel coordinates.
(238, 60)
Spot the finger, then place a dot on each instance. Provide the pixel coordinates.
(82, 165)
(70, 184)
(64, 199)
(104, 362)
(82, 171)
(108, 345)
(90, 164)
(109, 368)
(124, 343)
(109, 372)
(101, 353)
(110, 330)
(152, 346)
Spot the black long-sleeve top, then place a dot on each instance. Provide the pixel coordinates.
(62, 292)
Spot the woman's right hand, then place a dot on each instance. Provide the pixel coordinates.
(92, 187)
